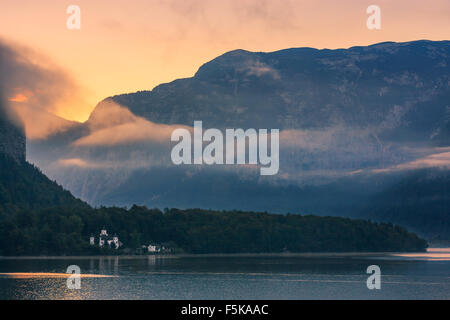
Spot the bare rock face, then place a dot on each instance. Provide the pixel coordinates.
(398, 91)
(12, 139)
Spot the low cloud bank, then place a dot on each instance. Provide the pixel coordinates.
(114, 125)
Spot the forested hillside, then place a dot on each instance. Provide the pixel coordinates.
(66, 231)
(23, 186)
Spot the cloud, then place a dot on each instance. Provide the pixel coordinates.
(440, 160)
(108, 163)
(213, 16)
(39, 124)
(341, 150)
(83, 163)
(78, 162)
(112, 125)
(259, 69)
(34, 89)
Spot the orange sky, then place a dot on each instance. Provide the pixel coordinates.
(129, 45)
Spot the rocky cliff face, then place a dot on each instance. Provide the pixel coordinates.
(12, 139)
(398, 91)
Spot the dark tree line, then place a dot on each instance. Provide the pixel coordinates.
(66, 231)
(23, 186)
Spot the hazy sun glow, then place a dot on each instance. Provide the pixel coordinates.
(18, 98)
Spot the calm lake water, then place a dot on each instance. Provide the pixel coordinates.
(315, 276)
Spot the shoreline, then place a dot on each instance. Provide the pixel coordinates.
(221, 255)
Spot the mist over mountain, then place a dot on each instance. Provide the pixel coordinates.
(353, 122)
(22, 185)
(398, 91)
(339, 110)
(419, 200)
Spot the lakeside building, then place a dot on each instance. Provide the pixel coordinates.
(105, 239)
(153, 248)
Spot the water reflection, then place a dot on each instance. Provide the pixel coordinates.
(410, 276)
(105, 265)
(29, 275)
(432, 254)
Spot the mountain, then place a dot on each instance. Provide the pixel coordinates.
(398, 90)
(39, 217)
(419, 201)
(340, 110)
(12, 138)
(22, 185)
(353, 122)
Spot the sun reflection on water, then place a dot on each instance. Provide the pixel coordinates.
(432, 254)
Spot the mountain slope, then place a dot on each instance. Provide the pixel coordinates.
(23, 186)
(401, 90)
(344, 115)
(419, 201)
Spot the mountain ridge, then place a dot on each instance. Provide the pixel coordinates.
(304, 85)
(383, 107)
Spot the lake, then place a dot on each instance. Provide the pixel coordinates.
(259, 276)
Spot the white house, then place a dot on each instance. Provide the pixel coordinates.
(105, 239)
(153, 248)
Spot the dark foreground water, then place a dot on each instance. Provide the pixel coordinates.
(325, 276)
